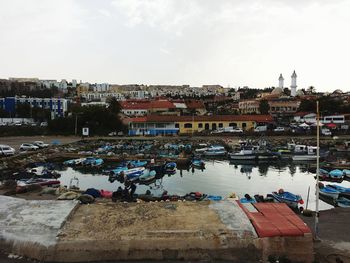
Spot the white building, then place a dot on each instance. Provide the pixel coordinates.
(49, 83)
(57, 106)
(63, 85)
(293, 86)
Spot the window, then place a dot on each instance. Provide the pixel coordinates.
(200, 125)
(177, 125)
(232, 124)
(221, 125)
(244, 125)
(188, 125)
(160, 125)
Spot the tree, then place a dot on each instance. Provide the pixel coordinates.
(114, 105)
(264, 107)
(311, 90)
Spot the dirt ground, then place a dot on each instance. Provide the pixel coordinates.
(112, 221)
(334, 234)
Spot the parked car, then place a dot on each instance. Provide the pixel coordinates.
(41, 144)
(18, 123)
(279, 129)
(43, 124)
(6, 150)
(236, 130)
(260, 129)
(28, 147)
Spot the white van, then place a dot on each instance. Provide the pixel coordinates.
(260, 129)
(6, 150)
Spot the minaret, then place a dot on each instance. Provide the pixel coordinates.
(281, 82)
(293, 87)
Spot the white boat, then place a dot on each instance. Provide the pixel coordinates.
(243, 155)
(304, 153)
(215, 151)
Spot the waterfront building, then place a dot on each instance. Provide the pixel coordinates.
(167, 125)
(57, 106)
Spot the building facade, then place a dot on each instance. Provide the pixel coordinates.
(167, 125)
(58, 107)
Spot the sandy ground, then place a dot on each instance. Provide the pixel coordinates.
(112, 221)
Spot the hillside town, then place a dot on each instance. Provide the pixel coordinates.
(169, 110)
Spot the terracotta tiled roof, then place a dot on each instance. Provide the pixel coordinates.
(164, 118)
(194, 104)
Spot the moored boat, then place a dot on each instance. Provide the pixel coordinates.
(198, 163)
(244, 154)
(147, 175)
(215, 151)
(328, 191)
(289, 198)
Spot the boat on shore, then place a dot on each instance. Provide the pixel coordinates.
(328, 191)
(92, 161)
(74, 162)
(289, 198)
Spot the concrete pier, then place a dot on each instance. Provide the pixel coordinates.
(144, 231)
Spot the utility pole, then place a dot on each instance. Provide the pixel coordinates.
(76, 124)
(317, 172)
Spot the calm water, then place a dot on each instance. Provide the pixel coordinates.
(219, 178)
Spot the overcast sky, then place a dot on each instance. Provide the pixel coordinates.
(227, 42)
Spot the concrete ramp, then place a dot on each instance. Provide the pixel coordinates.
(35, 222)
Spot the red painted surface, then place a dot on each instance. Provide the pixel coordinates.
(275, 219)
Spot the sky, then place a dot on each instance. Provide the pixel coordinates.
(197, 42)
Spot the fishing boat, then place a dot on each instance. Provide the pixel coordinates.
(147, 175)
(328, 191)
(264, 155)
(342, 202)
(198, 163)
(38, 181)
(134, 164)
(247, 199)
(74, 162)
(336, 173)
(339, 188)
(215, 150)
(284, 154)
(304, 153)
(133, 174)
(170, 168)
(244, 154)
(289, 198)
(346, 173)
(92, 161)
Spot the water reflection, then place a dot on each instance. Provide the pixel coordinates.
(218, 178)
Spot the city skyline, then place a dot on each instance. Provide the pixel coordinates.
(229, 43)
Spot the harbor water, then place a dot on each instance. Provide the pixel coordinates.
(218, 178)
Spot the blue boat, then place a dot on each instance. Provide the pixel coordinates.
(170, 168)
(147, 175)
(346, 173)
(343, 202)
(289, 198)
(336, 173)
(339, 188)
(198, 163)
(92, 161)
(117, 170)
(74, 162)
(135, 164)
(213, 198)
(329, 191)
(246, 200)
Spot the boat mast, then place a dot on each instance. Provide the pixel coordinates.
(317, 171)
